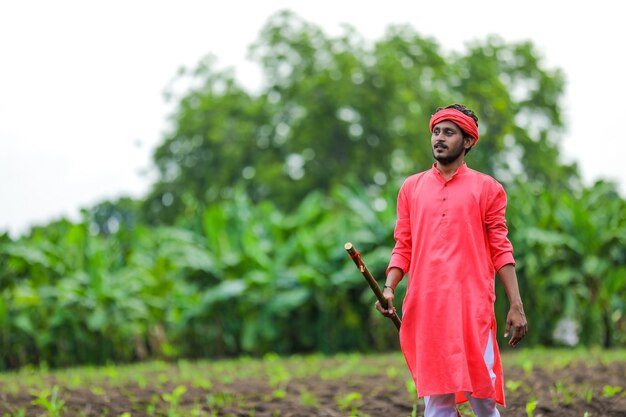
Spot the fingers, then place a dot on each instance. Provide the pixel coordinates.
(516, 321)
(518, 334)
(387, 312)
(514, 338)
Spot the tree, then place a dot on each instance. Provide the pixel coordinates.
(336, 106)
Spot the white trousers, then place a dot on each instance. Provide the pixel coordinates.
(445, 405)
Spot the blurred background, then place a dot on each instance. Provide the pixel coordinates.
(178, 179)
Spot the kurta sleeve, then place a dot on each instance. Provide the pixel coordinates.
(401, 254)
(499, 245)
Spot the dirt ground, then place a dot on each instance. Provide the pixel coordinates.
(576, 390)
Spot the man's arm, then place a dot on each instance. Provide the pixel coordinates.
(516, 318)
(401, 254)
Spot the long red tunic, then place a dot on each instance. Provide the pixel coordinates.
(451, 237)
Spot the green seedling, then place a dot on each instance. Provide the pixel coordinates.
(53, 405)
(174, 399)
(587, 394)
(19, 413)
(527, 367)
(530, 408)
(563, 394)
(610, 390)
(219, 400)
(196, 411)
(278, 375)
(151, 408)
(352, 401)
(141, 381)
(513, 385)
(410, 386)
(394, 372)
(414, 411)
(309, 399)
(202, 383)
(279, 393)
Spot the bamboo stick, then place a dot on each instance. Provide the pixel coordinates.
(356, 257)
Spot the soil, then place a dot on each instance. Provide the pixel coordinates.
(576, 390)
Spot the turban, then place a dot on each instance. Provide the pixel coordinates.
(466, 123)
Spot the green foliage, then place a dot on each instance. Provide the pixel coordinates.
(570, 248)
(253, 279)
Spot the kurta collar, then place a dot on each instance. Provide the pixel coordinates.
(460, 171)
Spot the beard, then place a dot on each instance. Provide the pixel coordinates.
(452, 156)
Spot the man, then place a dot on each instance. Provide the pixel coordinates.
(451, 238)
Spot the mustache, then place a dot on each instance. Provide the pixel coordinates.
(440, 145)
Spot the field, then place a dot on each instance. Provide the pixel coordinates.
(539, 383)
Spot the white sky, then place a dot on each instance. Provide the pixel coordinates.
(81, 82)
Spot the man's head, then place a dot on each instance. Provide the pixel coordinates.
(454, 132)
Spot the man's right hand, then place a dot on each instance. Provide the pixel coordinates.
(390, 311)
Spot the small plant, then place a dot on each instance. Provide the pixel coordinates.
(219, 400)
(530, 408)
(202, 383)
(513, 385)
(279, 394)
(587, 394)
(527, 366)
(19, 413)
(352, 401)
(410, 386)
(609, 390)
(563, 394)
(196, 411)
(53, 405)
(309, 399)
(394, 372)
(414, 411)
(173, 399)
(151, 407)
(278, 375)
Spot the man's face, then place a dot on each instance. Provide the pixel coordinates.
(447, 142)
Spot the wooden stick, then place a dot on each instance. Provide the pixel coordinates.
(356, 257)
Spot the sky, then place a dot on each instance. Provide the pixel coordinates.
(82, 82)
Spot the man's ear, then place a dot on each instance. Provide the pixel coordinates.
(467, 142)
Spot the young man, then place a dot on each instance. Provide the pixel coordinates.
(451, 238)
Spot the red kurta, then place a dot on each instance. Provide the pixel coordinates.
(451, 237)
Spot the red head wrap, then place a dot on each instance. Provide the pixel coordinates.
(466, 123)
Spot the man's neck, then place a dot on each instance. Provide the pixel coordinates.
(448, 170)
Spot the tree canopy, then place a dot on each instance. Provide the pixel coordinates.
(333, 107)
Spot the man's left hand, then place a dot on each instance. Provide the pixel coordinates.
(516, 320)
